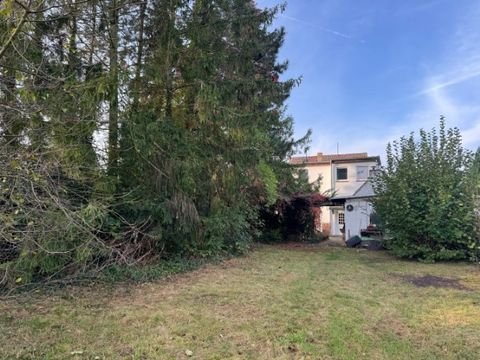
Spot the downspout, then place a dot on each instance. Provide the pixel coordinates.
(332, 178)
(332, 182)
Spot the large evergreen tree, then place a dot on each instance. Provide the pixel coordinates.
(136, 130)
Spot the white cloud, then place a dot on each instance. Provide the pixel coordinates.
(449, 92)
(330, 31)
(448, 87)
(437, 102)
(471, 136)
(464, 75)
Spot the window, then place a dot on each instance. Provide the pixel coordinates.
(362, 173)
(342, 174)
(341, 218)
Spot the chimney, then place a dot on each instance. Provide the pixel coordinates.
(320, 156)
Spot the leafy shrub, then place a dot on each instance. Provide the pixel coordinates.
(272, 236)
(229, 230)
(318, 237)
(475, 186)
(425, 196)
(291, 219)
(298, 219)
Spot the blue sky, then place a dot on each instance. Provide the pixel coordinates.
(374, 70)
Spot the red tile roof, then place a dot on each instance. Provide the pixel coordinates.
(303, 160)
(321, 158)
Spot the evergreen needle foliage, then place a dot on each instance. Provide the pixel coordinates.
(134, 131)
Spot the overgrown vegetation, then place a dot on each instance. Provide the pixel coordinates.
(428, 196)
(131, 132)
(292, 219)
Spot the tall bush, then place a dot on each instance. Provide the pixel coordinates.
(475, 186)
(426, 198)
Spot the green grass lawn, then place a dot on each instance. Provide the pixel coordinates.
(276, 303)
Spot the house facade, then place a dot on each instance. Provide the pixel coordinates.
(345, 180)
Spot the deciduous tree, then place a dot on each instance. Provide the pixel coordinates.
(425, 197)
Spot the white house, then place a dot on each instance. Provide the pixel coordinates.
(345, 178)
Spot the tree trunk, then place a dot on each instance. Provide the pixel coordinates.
(9, 117)
(113, 154)
(138, 70)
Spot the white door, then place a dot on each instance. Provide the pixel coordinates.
(338, 222)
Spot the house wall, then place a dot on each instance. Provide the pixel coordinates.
(325, 221)
(358, 218)
(352, 184)
(329, 183)
(323, 170)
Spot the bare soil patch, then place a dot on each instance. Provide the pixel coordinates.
(435, 281)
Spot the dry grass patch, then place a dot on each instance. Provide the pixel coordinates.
(276, 303)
